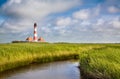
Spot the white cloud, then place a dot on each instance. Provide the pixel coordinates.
(79, 19)
(85, 23)
(63, 21)
(100, 21)
(116, 23)
(107, 25)
(46, 29)
(35, 9)
(113, 9)
(84, 14)
(22, 14)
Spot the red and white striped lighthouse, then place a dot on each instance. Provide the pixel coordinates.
(35, 33)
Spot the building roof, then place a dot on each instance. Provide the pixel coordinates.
(29, 39)
(41, 39)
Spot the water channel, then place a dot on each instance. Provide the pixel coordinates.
(54, 70)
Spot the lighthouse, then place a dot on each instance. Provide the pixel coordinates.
(35, 33)
(35, 37)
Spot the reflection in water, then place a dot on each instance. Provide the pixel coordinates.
(55, 70)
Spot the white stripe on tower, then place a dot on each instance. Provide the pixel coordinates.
(35, 32)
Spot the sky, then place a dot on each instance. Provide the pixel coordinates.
(76, 21)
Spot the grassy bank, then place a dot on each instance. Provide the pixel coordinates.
(101, 63)
(20, 54)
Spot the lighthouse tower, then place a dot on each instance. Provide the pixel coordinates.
(35, 33)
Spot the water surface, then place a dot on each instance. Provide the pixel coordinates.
(55, 70)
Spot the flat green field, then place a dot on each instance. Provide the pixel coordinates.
(100, 61)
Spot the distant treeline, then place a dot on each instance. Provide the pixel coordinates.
(19, 41)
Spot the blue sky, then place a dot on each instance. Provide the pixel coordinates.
(79, 21)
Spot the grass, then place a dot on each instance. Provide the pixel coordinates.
(20, 54)
(97, 61)
(101, 63)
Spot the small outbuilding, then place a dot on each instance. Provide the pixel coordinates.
(29, 39)
(41, 39)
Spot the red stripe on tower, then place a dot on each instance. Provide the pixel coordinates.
(35, 32)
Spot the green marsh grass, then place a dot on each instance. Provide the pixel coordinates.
(101, 63)
(19, 54)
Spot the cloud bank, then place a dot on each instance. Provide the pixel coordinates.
(23, 13)
(61, 20)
